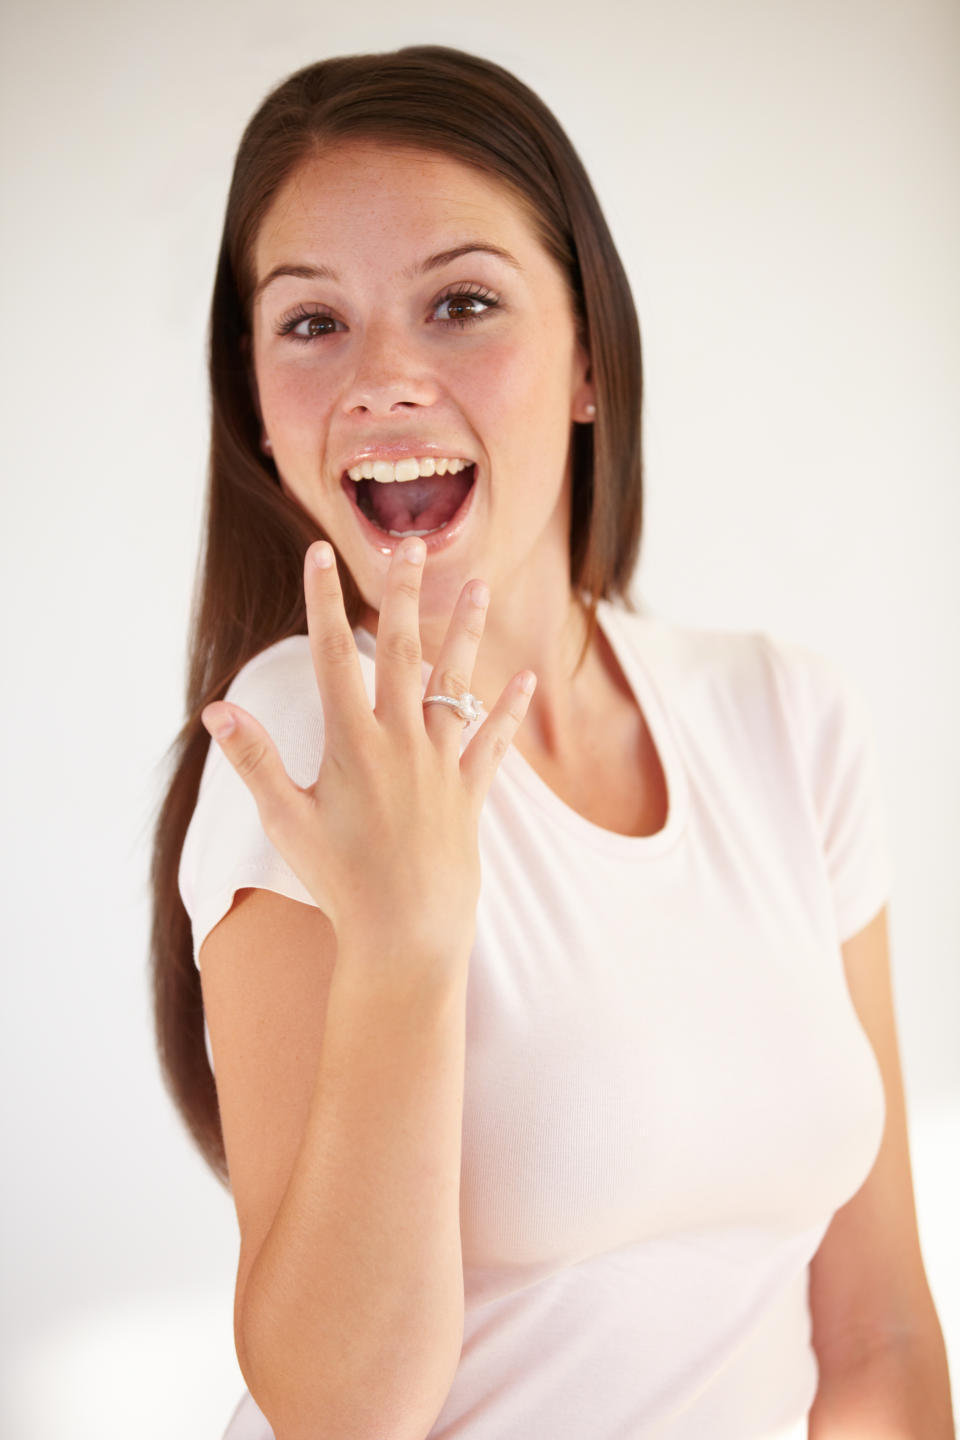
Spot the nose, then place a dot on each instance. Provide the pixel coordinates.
(389, 375)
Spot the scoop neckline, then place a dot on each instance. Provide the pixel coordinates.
(648, 699)
(649, 702)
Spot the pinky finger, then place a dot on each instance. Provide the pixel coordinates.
(481, 759)
(256, 760)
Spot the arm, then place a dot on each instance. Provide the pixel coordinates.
(338, 1028)
(880, 1350)
(349, 1310)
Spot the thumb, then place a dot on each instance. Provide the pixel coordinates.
(256, 760)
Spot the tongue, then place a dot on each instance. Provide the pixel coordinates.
(423, 504)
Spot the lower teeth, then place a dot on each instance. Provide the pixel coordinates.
(401, 533)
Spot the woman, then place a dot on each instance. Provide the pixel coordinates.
(554, 1049)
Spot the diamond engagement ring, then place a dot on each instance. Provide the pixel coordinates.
(467, 706)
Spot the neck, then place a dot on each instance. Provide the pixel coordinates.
(549, 641)
(536, 623)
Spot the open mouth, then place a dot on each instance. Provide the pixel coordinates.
(428, 505)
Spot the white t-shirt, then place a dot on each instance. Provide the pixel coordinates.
(668, 1093)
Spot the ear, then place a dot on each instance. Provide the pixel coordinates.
(584, 406)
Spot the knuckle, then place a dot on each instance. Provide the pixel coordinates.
(401, 645)
(337, 646)
(473, 625)
(498, 748)
(250, 759)
(409, 586)
(453, 682)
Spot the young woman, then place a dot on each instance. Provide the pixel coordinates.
(556, 1081)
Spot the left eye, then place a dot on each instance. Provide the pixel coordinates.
(464, 306)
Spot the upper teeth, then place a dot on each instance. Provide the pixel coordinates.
(384, 470)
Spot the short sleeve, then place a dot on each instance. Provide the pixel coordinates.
(834, 731)
(226, 848)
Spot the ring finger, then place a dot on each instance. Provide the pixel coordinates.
(453, 673)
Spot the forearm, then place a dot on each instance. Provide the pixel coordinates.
(352, 1316)
(900, 1391)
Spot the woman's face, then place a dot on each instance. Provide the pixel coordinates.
(438, 327)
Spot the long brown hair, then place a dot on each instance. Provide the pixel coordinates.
(249, 585)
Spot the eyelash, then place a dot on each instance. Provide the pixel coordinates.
(486, 298)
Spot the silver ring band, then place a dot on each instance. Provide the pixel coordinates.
(467, 706)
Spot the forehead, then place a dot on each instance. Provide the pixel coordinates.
(366, 187)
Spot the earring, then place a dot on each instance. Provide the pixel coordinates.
(266, 444)
(591, 410)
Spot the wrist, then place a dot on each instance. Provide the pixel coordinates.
(392, 952)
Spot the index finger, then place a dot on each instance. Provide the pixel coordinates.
(336, 660)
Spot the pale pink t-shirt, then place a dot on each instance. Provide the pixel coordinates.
(668, 1093)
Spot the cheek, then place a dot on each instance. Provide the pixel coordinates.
(504, 381)
(294, 394)
(528, 399)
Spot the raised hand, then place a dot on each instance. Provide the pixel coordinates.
(385, 840)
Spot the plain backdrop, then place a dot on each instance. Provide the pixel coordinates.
(783, 182)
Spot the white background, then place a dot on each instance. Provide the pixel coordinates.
(782, 181)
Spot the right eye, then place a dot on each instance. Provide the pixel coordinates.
(321, 323)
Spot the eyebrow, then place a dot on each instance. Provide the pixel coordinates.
(433, 262)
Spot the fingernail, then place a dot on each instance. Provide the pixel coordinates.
(414, 551)
(529, 683)
(480, 594)
(323, 556)
(219, 722)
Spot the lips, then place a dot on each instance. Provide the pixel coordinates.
(439, 538)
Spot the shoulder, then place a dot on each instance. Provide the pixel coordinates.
(696, 665)
(704, 654)
(225, 847)
(751, 683)
(685, 648)
(278, 687)
(284, 668)
(819, 691)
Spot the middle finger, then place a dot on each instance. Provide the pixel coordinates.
(399, 658)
